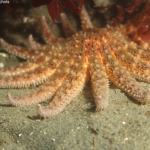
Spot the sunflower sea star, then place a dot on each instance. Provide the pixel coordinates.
(64, 68)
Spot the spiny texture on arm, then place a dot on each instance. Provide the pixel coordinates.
(71, 86)
(34, 44)
(25, 67)
(22, 52)
(32, 64)
(98, 75)
(140, 51)
(85, 20)
(121, 77)
(47, 35)
(66, 26)
(36, 76)
(47, 89)
(137, 68)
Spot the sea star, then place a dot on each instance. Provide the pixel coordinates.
(63, 68)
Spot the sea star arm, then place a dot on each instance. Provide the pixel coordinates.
(47, 35)
(99, 78)
(85, 20)
(42, 93)
(73, 84)
(120, 77)
(36, 76)
(137, 68)
(24, 67)
(47, 89)
(22, 52)
(66, 26)
(34, 44)
(33, 77)
(67, 92)
(34, 63)
(141, 51)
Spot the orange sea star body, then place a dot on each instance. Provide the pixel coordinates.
(65, 67)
